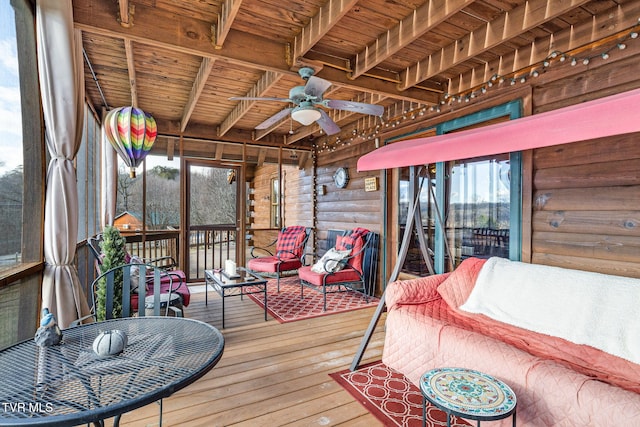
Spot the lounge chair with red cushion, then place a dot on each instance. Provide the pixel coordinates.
(289, 252)
(342, 268)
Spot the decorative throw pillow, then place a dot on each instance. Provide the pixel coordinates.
(455, 290)
(331, 261)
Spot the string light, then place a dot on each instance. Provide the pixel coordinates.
(533, 71)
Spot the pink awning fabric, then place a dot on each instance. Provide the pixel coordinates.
(614, 115)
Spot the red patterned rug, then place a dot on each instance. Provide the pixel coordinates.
(287, 306)
(390, 397)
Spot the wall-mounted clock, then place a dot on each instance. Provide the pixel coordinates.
(341, 177)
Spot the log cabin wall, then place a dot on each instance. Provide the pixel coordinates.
(585, 196)
(297, 185)
(349, 207)
(581, 201)
(586, 205)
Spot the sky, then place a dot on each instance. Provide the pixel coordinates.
(10, 116)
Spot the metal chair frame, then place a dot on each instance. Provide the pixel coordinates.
(366, 275)
(278, 271)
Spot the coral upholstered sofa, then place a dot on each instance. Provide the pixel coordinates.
(567, 341)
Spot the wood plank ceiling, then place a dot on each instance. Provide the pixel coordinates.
(181, 61)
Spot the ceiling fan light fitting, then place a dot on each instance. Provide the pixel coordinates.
(305, 115)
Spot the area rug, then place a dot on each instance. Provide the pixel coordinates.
(390, 397)
(286, 306)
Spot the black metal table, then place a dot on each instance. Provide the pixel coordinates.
(68, 384)
(227, 286)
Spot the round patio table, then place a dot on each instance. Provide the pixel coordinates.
(68, 384)
(468, 394)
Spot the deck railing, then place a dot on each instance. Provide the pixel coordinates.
(155, 245)
(209, 247)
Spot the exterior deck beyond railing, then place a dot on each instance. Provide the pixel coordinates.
(209, 247)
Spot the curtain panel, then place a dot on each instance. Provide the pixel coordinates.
(61, 77)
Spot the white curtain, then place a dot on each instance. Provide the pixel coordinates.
(61, 70)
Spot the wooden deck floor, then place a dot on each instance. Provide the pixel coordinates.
(271, 374)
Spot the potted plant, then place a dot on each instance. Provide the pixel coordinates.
(113, 252)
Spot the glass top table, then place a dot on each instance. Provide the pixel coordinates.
(68, 384)
(245, 282)
(468, 394)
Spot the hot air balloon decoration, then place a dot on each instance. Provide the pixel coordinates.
(132, 133)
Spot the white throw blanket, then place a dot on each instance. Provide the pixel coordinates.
(599, 310)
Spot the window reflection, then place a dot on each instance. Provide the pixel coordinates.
(475, 211)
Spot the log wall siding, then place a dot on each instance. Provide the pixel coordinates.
(586, 205)
(298, 200)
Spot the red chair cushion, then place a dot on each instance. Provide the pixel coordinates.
(179, 285)
(289, 243)
(271, 264)
(353, 242)
(345, 275)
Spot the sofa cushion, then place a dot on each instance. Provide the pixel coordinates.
(415, 291)
(347, 274)
(273, 264)
(456, 289)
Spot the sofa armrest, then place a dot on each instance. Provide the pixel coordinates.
(414, 291)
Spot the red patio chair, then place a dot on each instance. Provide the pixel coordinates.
(350, 274)
(289, 252)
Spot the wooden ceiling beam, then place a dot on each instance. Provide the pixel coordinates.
(125, 13)
(262, 155)
(507, 26)
(603, 25)
(225, 21)
(423, 19)
(266, 82)
(158, 28)
(219, 151)
(196, 90)
(328, 16)
(128, 49)
(380, 87)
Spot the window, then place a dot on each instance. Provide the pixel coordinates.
(468, 207)
(478, 209)
(11, 163)
(22, 168)
(275, 203)
(162, 195)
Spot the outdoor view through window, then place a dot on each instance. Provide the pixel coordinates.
(11, 161)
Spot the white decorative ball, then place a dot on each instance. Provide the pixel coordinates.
(109, 343)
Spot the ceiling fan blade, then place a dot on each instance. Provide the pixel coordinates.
(274, 119)
(356, 107)
(256, 98)
(316, 86)
(328, 126)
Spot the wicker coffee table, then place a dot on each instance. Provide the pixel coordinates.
(467, 394)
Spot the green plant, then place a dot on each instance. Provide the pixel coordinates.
(112, 247)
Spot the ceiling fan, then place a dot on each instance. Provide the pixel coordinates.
(307, 98)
